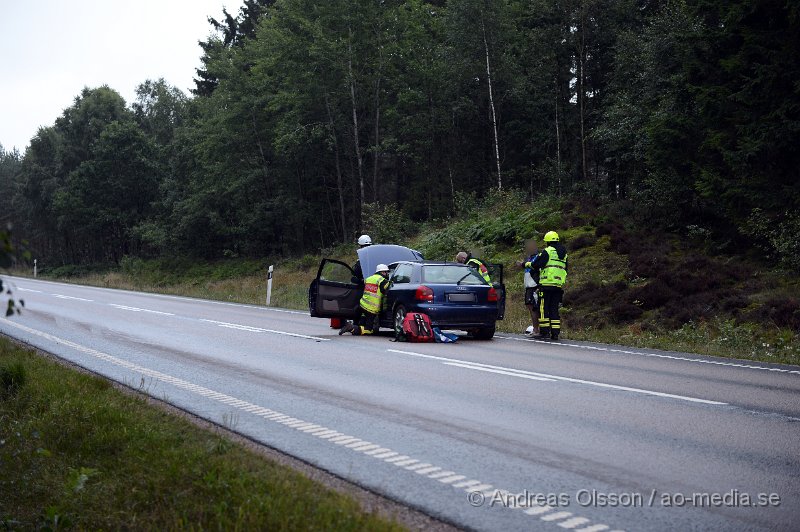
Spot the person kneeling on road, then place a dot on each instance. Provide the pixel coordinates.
(374, 288)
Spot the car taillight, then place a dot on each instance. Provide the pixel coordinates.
(424, 293)
(492, 298)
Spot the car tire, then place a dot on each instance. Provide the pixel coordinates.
(485, 333)
(399, 314)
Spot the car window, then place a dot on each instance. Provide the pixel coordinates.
(450, 274)
(402, 274)
(336, 272)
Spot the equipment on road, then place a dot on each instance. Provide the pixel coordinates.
(417, 328)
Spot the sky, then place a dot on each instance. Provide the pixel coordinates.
(51, 49)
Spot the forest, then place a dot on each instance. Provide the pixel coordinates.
(310, 118)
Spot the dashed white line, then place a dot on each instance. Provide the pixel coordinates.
(136, 309)
(28, 290)
(61, 296)
(363, 447)
(546, 376)
(653, 355)
(249, 328)
(451, 478)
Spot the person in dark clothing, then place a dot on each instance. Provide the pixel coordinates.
(531, 282)
(552, 266)
(358, 275)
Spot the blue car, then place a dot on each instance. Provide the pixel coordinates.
(453, 295)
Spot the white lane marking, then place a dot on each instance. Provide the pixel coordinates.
(653, 355)
(29, 290)
(61, 296)
(446, 477)
(501, 372)
(302, 313)
(527, 374)
(162, 296)
(261, 329)
(135, 309)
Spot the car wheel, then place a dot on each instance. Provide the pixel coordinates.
(399, 316)
(485, 333)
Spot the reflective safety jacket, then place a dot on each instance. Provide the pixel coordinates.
(554, 273)
(374, 288)
(481, 267)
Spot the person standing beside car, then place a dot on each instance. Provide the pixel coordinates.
(531, 283)
(466, 258)
(552, 266)
(375, 287)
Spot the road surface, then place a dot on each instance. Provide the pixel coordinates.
(511, 434)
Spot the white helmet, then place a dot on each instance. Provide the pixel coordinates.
(364, 240)
(381, 268)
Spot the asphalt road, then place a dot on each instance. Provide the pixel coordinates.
(511, 434)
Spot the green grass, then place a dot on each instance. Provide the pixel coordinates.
(75, 452)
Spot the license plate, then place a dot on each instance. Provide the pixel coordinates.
(461, 298)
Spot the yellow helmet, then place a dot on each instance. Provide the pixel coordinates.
(551, 236)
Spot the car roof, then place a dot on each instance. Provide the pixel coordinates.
(371, 256)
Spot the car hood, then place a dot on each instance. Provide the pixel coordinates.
(371, 256)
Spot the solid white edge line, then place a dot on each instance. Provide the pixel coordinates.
(245, 406)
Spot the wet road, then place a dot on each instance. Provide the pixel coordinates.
(510, 434)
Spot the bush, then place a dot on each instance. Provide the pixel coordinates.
(623, 312)
(582, 241)
(654, 294)
(386, 224)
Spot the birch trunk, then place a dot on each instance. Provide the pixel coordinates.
(491, 104)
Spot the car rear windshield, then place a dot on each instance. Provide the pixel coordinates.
(450, 274)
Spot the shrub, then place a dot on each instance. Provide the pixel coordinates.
(582, 241)
(654, 294)
(622, 312)
(386, 224)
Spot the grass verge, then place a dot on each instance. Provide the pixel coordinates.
(75, 452)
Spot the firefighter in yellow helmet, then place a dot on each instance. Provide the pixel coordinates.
(375, 287)
(552, 265)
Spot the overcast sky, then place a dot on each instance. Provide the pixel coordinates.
(51, 49)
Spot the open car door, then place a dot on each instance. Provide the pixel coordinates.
(334, 294)
(496, 274)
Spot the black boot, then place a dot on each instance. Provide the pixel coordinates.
(554, 334)
(348, 327)
(544, 334)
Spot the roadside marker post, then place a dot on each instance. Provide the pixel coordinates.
(269, 284)
(34, 268)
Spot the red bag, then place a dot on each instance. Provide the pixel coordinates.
(336, 323)
(417, 328)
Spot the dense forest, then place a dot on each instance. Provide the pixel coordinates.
(310, 117)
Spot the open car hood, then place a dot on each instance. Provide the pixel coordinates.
(371, 256)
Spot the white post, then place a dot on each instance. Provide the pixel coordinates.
(34, 268)
(269, 284)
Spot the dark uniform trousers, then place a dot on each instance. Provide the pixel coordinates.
(549, 317)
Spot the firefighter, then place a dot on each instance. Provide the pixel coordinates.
(466, 258)
(375, 287)
(552, 266)
(363, 241)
